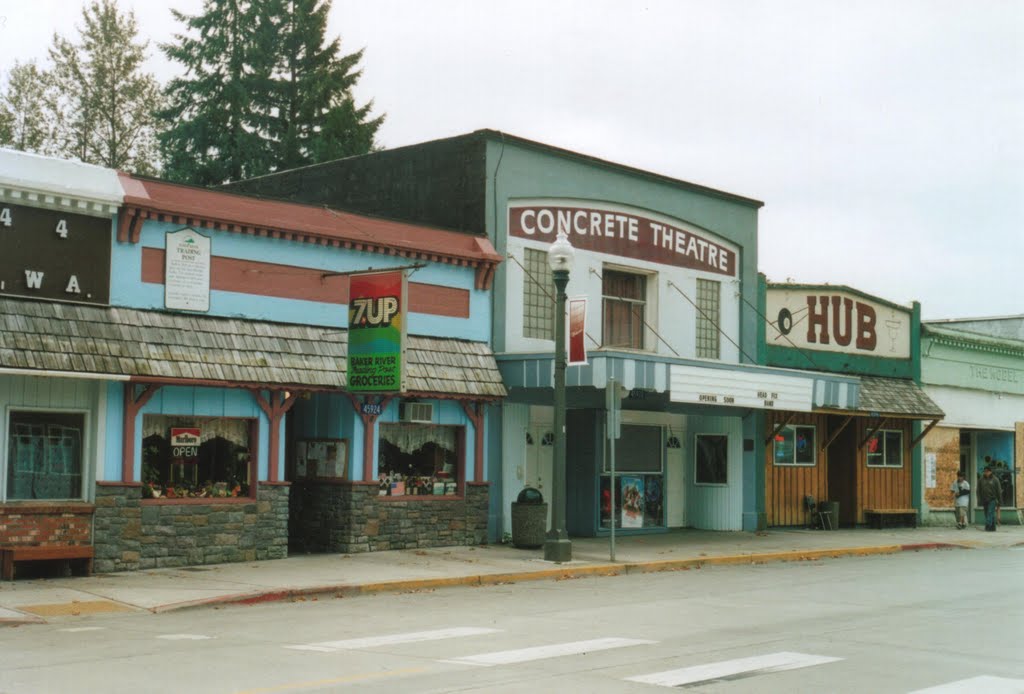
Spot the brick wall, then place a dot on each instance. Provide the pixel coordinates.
(36, 523)
(350, 517)
(133, 534)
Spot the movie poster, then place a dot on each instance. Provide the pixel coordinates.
(632, 502)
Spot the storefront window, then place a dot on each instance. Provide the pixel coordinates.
(885, 449)
(794, 445)
(1003, 471)
(639, 477)
(195, 457)
(44, 455)
(712, 463)
(418, 459)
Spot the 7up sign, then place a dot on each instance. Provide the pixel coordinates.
(376, 332)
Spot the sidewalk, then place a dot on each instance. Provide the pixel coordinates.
(162, 590)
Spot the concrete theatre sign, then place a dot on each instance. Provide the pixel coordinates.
(619, 231)
(832, 320)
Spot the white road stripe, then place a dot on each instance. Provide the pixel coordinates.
(74, 630)
(984, 683)
(554, 650)
(756, 665)
(184, 637)
(391, 639)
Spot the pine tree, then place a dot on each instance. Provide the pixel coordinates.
(262, 92)
(212, 135)
(313, 116)
(102, 103)
(25, 122)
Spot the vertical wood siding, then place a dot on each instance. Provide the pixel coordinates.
(879, 487)
(787, 485)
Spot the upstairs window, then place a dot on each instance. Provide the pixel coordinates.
(624, 306)
(709, 315)
(538, 289)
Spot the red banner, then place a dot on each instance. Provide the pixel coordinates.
(577, 331)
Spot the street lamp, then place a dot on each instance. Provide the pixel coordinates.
(557, 545)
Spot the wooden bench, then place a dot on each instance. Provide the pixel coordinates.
(880, 518)
(67, 553)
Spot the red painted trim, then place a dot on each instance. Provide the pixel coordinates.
(199, 502)
(132, 404)
(479, 484)
(169, 381)
(38, 508)
(119, 484)
(279, 483)
(368, 428)
(275, 408)
(426, 498)
(305, 284)
(475, 412)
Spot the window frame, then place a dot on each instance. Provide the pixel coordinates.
(794, 463)
(696, 453)
(461, 454)
(645, 303)
(528, 285)
(86, 450)
(714, 322)
(884, 465)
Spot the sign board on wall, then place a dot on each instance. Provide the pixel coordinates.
(621, 232)
(52, 254)
(185, 445)
(704, 386)
(831, 320)
(376, 332)
(187, 271)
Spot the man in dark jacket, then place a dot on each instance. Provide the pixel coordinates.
(990, 494)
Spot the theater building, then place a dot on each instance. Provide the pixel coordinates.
(859, 446)
(668, 272)
(173, 374)
(974, 369)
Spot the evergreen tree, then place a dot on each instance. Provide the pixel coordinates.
(262, 92)
(25, 122)
(101, 102)
(313, 116)
(212, 135)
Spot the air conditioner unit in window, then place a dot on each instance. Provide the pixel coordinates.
(419, 412)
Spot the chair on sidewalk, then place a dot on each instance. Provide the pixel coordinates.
(818, 519)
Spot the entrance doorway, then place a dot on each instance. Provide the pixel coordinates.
(540, 440)
(842, 469)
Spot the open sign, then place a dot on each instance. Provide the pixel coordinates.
(185, 444)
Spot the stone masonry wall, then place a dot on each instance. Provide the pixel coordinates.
(132, 534)
(351, 517)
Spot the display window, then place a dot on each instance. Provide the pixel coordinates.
(45, 454)
(196, 457)
(885, 449)
(711, 464)
(420, 460)
(639, 480)
(795, 445)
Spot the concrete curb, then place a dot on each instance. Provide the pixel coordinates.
(556, 574)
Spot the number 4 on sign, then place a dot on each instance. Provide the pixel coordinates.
(62, 229)
(5, 216)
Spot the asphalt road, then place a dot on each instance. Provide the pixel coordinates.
(951, 620)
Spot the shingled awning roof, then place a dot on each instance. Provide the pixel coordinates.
(157, 346)
(896, 397)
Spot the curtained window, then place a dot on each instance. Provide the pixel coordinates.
(44, 455)
(624, 302)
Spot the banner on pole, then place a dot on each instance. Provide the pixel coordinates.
(576, 344)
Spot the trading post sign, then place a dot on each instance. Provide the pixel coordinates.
(376, 332)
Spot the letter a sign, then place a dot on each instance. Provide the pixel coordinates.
(376, 332)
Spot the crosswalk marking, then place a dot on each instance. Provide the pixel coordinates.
(391, 639)
(184, 637)
(756, 665)
(984, 683)
(75, 630)
(554, 650)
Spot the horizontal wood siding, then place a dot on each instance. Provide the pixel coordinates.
(882, 488)
(787, 485)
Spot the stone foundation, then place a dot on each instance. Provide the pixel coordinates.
(132, 533)
(350, 517)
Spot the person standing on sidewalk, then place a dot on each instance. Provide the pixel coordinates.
(990, 494)
(961, 489)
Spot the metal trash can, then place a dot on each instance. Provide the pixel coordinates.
(529, 519)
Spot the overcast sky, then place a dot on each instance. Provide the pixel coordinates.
(885, 138)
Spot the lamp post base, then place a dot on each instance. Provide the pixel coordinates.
(558, 549)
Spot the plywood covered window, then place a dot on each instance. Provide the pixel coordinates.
(538, 290)
(624, 308)
(795, 445)
(885, 449)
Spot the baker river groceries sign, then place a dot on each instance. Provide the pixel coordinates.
(625, 233)
(376, 332)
